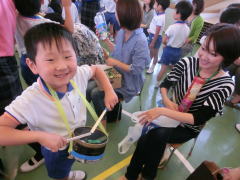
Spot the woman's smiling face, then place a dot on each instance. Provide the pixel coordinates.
(208, 57)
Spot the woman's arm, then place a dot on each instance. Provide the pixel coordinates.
(109, 44)
(166, 101)
(152, 114)
(114, 62)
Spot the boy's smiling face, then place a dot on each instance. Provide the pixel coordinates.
(55, 64)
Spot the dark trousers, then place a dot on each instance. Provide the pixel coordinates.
(150, 149)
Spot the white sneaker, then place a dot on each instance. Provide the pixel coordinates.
(77, 175)
(238, 127)
(151, 69)
(31, 164)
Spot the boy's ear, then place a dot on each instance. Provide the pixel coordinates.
(31, 64)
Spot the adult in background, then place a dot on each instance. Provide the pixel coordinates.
(10, 86)
(220, 49)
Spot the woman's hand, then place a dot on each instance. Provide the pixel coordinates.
(105, 54)
(170, 105)
(52, 141)
(111, 62)
(150, 115)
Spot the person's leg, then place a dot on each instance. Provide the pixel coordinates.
(154, 53)
(162, 72)
(59, 165)
(35, 161)
(10, 87)
(150, 149)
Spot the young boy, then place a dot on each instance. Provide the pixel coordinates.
(155, 31)
(51, 55)
(175, 37)
(28, 16)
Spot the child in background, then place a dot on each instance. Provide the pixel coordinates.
(196, 27)
(51, 55)
(28, 17)
(148, 13)
(155, 31)
(175, 37)
(109, 13)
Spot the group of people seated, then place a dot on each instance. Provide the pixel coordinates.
(49, 65)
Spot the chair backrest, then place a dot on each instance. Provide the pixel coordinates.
(205, 27)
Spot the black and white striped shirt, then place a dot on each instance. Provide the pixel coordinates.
(209, 101)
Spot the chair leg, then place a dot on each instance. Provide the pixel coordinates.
(119, 113)
(140, 102)
(191, 150)
(172, 152)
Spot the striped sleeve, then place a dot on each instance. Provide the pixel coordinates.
(216, 99)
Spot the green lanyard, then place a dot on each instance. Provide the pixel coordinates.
(64, 116)
(208, 79)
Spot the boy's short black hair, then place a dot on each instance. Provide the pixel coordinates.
(164, 3)
(129, 13)
(46, 34)
(184, 8)
(199, 6)
(231, 16)
(28, 7)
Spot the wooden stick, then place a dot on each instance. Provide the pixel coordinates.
(79, 137)
(98, 121)
(91, 131)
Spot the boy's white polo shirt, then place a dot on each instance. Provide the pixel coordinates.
(35, 106)
(158, 20)
(177, 34)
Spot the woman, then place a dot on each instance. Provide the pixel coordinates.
(221, 48)
(129, 55)
(148, 13)
(196, 22)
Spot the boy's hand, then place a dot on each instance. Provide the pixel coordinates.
(110, 100)
(66, 3)
(52, 141)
